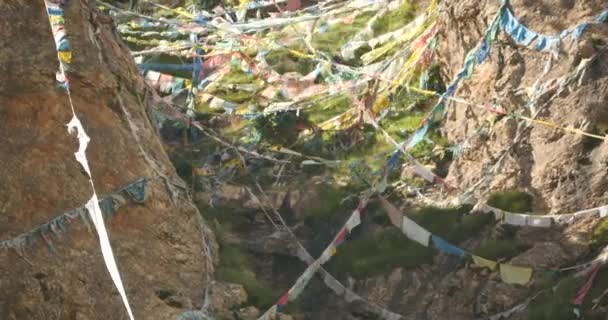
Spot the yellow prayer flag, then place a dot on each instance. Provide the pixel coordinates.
(514, 274)
(65, 56)
(332, 251)
(483, 262)
(56, 20)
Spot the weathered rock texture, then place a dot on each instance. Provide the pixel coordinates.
(163, 249)
(564, 171)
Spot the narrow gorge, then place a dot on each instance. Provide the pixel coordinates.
(304, 160)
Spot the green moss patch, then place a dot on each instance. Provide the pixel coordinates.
(237, 267)
(555, 305)
(496, 249)
(379, 253)
(395, 19)
(330, 203)
(512, 200)
(453, 224)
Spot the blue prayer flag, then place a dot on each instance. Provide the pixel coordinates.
(447, 247)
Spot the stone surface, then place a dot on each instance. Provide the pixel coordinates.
(248, 313)
(565, 172)
(226, 295)
(158, 245)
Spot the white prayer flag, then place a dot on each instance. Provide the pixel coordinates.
(415, 232)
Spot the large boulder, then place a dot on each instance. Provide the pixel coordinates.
(162, 247)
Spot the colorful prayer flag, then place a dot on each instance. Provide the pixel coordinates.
(341, 237)
(415, 232)
(483, 262)
(514, 274)
(447, 247)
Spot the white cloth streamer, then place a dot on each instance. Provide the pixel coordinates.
(95, 212)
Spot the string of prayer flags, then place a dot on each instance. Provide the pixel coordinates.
(164, 83)
(59, 225)
(522, 35)
(331, 282)
(62, 45)
(544, 221)
(515, 219)
(307, 275)
(509, 273)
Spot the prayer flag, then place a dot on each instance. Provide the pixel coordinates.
(415, 232)
(353, 221)
(447, 247)
(341, 237)
(514, 274)
(483, 262)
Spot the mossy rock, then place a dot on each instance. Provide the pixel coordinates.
(379, 253)
(236, 76)
(452, 224)
(555, 305)
(512, 201)
(235, 96)
(231, 218)
(495, 249)
(236, 266)
(469, 226)
(329, 203)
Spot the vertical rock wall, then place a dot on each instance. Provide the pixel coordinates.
(565, 172)
(162, 247)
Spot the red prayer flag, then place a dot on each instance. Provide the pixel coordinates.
(582, 291)
(341, 237)
(283, 300)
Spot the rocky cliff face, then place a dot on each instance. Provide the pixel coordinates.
(564, 172)
(162, 247)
